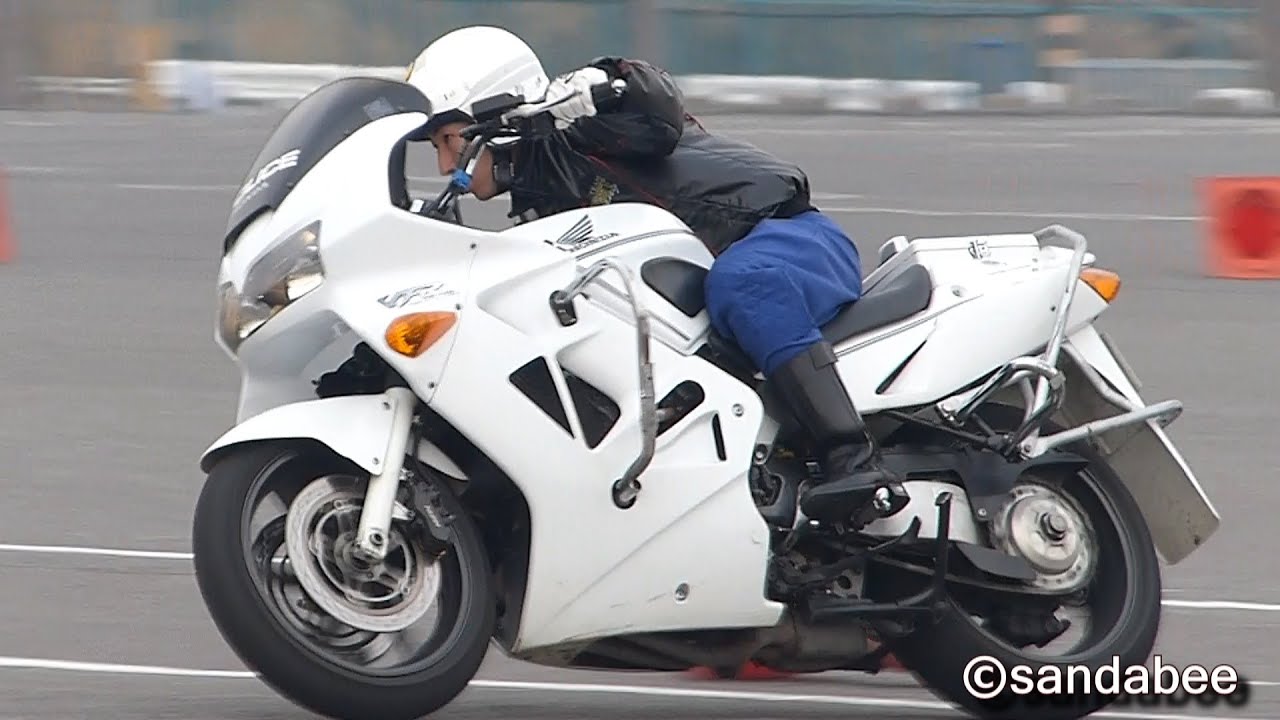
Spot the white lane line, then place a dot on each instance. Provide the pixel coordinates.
(1221, 605)
(176, 188)
(165, 555)
(43, 171)
(652, 691)
(1114, 217)
(845, 700)
(1017, 145)
(932, 132)
(821, 196)
(107, 552)
(1228, 605)
(112, 668)
(35, 123)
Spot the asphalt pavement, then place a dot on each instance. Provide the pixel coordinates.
(111, 387)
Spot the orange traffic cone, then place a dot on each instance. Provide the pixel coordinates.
(1242, 226)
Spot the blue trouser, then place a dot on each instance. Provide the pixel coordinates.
(771, 291)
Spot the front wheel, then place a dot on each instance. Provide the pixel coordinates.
(1108, 569)
(392, 641)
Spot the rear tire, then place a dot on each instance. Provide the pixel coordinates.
(939, 653)
(252, 623)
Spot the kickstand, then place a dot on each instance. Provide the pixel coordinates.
(911, 534)
(930, 600)
(932, 595)
(942, 549)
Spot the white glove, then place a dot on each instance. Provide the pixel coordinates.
(577, 83)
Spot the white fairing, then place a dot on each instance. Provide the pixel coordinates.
(983, 313)
(692, 553)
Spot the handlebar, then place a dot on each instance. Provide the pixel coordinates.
(506, 116)
(601, 95)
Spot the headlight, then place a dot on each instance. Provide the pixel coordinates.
(289, 270)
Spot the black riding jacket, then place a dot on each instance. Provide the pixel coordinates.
(648, 149)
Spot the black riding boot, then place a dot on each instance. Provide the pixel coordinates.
(844, 449)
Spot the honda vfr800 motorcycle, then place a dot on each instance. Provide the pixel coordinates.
(449, 437)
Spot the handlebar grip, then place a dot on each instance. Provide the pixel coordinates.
(606, 95)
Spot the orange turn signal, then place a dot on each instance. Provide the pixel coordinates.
(411, 335)
(1104, 282)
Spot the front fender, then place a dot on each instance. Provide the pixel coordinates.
(357, 427)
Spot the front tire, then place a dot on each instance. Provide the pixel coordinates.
(1126, 588)
(316, 661)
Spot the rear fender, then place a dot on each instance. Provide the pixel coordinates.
(356, 427)
(1177, 510)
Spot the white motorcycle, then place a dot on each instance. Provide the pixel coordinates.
(448, 437)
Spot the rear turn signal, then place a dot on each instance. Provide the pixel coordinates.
(411, 335)
(1105, 282)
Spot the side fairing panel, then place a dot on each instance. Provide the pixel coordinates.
(631, 234)
(596, 569)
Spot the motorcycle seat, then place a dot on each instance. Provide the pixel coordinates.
(680, 283)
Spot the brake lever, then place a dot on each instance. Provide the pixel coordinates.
(604, 94)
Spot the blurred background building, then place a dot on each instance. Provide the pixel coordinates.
(81, 52)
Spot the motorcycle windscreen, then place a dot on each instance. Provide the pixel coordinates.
(312, 128)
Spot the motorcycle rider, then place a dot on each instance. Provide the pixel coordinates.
(781, 269)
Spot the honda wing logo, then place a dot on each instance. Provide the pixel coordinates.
(579, 236)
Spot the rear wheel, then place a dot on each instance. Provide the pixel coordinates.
(1093, 550)
(272, 540)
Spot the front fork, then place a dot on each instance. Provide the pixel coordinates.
(380, 497)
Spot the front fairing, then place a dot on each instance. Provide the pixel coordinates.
(379, 262)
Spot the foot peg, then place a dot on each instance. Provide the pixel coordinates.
(890, 500)
(861, 498)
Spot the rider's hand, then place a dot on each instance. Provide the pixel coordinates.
(578, 84)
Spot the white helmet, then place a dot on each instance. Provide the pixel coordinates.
(471, 64)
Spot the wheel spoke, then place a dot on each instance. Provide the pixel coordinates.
(348, 521)
(391, 578)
